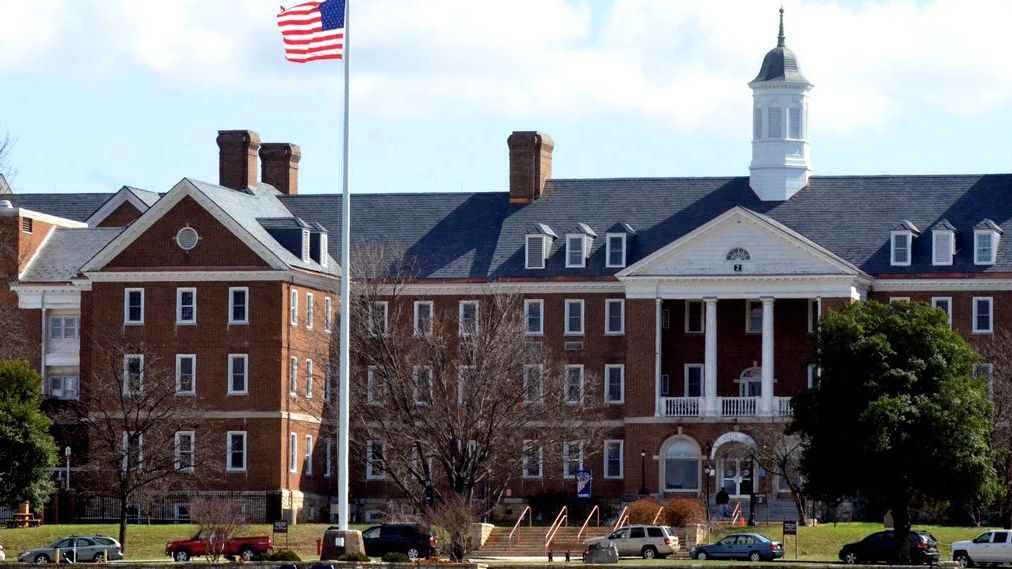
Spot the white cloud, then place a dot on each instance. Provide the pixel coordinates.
(684, 64)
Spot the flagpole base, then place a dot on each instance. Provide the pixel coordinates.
(338, 543)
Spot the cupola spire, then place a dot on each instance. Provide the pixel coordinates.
(780, 37)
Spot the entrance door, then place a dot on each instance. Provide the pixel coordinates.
(736, 476)
(750, 382)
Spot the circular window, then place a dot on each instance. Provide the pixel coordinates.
(187, 238)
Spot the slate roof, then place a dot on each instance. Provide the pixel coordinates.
(481, 236)
(145, 196)
(66, 251)
(76, 207)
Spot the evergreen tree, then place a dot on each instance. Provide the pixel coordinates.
(27, 450)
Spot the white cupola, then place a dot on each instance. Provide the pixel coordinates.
(780, 153)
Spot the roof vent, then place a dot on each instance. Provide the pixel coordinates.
(6, 204)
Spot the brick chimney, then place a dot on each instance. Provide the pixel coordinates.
(530, 165)
(237, 158)
(279, 166)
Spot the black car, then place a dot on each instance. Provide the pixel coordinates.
(414, 541)
(882, 547)
(748, 546)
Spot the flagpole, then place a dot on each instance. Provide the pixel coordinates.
(344, 378)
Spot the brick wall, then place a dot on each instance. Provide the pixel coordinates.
(122, 216)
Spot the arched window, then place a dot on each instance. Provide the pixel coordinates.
(681, 466)
(738, 254)
(775, 123)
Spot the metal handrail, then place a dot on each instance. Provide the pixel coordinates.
(563, 517)
(622, 518)
(736, 513)
(596, 510)
(657, 516)
(530, 522)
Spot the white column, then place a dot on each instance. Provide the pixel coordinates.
(766, 402)
(657, 359)
(710, 359)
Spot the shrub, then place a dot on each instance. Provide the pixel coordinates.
(643, 511)
(278, 555)
(395, 557)
(680, 512)
(360, 557)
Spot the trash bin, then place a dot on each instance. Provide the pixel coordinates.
(604, 552)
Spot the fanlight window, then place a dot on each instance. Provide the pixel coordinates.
(738, 254)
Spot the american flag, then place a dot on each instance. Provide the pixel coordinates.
(312, 31)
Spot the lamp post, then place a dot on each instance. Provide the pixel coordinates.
(708, 471)
(66, 479)
(643, 473)
(751, 491)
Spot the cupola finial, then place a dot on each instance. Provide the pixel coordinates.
(780, 38)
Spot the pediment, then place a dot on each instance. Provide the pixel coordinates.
(741, 242)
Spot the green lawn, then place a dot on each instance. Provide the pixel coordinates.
(148, 541)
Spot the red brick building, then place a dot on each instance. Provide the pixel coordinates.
(693, 300)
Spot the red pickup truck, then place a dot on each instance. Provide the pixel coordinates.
(198, 545)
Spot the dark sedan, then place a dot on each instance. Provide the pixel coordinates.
(882, 547)
(747, 546)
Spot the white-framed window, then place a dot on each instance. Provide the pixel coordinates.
(753, 317)
(693, 380)
(293, 452)
(464, 378)
(615, 248)
(63, 384)
(943, 245)
(235, 442)
(293, 307)
(899, 250)
(614, 383)
(310, 306)
(533, 383)
(186, 306)
(328, 315)
(666, 318)
(238, 305)
(185, 448)
(378, 321)
(532, 460)
(576, 251)
(574, 317)
(814, 314)
(468, 317)
(983, 309)
(238, 374)
(328, 458)
(373, 393)
(328, 383)
(422, 376)
(307, 468)
(893, 299)
(613, 460)
(614, 316)
(945, 303)
(133, 373)
(574, 384)
(133, 306)
(535, 252)
(794, 123)
(309, 378)
(534, 316)
(694, 318)
(293, 376)
(374, 461)
(186, 374)
(423, 317)
(572, 459)
(775, 122)
(985, 371)
(181, 513)
(133, 451)
(985, 246)
(64, 327)
(813, 373)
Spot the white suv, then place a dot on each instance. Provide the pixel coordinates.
(647, 542)
(990, 547)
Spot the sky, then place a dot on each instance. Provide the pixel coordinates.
(100, 94)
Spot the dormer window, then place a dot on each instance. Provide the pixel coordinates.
(615, 250)
(943, 244)
(985, 242)
(901, 248)
(535, 252)
(576, 251)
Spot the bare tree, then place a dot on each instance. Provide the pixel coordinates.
(143, 436)
(220, 520)
(780, 453)
(6, 168)
(998, 355)
(455, 406)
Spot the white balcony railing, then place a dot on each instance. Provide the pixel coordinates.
(680, 406)
(782, 407)
(738, 406)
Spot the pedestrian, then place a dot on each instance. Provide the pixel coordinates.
(722, 500)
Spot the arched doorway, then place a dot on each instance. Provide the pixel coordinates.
(680, 465)
(750, 382)
(732, 453)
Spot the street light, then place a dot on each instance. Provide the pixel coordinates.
(643, 473)
(66, 480)
(751, 491)
(709, 471)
